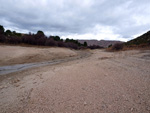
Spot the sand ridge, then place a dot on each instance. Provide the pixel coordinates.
(11, 55)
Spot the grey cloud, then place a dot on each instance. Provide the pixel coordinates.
(76, 17)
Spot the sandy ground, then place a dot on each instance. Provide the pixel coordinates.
(105, 82)
(10, 55)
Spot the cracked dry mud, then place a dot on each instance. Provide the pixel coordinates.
(101, 83)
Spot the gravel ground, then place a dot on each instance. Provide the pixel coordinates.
(105, 82)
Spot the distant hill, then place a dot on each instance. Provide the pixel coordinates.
(89, 42)
(102, 43)
(106, 43)
(143, 39)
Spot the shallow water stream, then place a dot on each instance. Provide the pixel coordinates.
(20, 67)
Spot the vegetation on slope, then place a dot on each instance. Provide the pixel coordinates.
(12, 37)
(141, 40)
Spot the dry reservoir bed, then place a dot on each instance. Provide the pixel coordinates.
(101, 83)
(10, 55)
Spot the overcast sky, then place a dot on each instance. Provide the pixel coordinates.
(78, 19)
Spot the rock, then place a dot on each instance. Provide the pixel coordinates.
(132, 109)
(148, 108)
(34, 82)
(5, 86)
(16, 81)
(22, 87)
(1, 87)
(17, 85)
(85, 103)
(83, 88)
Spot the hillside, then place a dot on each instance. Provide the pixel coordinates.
(143, 39)
(103, 43)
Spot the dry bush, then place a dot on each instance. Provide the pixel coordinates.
(95, 47)
(117, 47)
(60, 44)
(50, 42)
(2, 38)
(71, 45)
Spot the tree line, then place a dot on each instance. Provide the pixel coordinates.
(40, 39)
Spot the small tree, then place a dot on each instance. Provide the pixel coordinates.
(40, 33)
(110, 45)
(8, 33)
(2, 29)
(56, 38)
(14, 32)
(85, 44)
(67, 40)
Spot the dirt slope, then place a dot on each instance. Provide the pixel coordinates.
(17, 55)
(103, 83)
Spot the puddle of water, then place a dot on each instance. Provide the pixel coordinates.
(20, 67)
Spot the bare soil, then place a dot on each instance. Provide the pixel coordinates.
(116, 82)
(10, 55)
